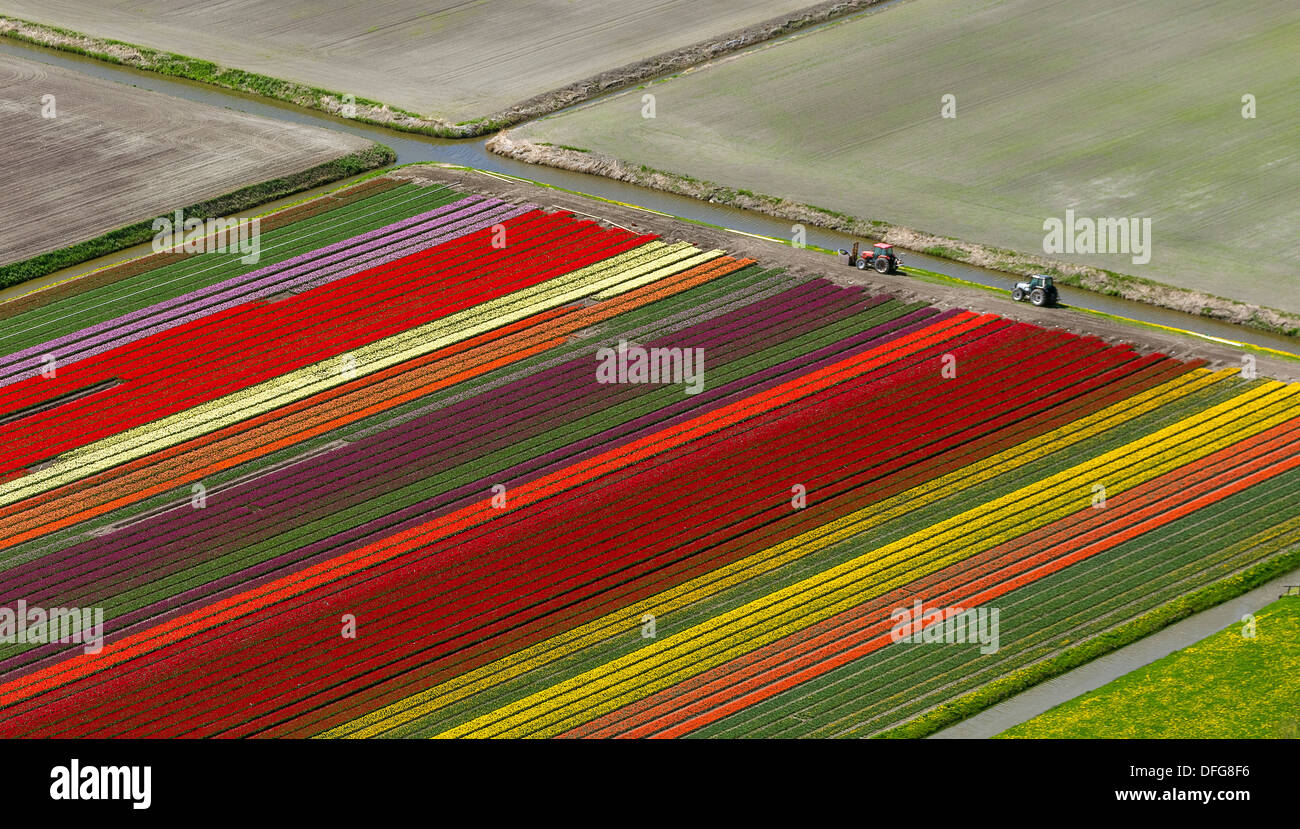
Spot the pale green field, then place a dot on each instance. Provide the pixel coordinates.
(1114, 108)
(1225, 686)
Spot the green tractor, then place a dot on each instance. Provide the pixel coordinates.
(1039, 290)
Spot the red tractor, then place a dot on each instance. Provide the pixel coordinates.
(880, 256)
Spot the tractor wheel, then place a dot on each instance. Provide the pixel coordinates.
(882, 264)
(1038, 296)
(1018, 294)
(863, 264)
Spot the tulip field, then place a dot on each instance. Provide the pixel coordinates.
(373, 486)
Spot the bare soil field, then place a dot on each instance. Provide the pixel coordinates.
(113, 155)
(456, 62)
(1110, 110)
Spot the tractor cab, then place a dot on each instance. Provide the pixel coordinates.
(1041, 281)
